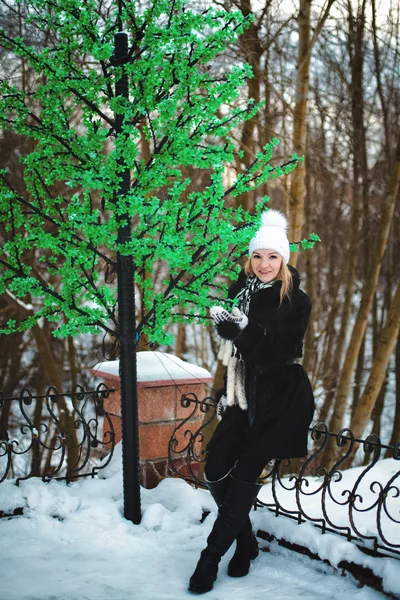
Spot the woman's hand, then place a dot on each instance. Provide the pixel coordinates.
(229, 325)
(219, 314)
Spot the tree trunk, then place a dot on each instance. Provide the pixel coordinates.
(358, 377)
(331, 380)
(378, 408)
(377, 417)
(11, 351)
(253, 51)
(310, 346)
(378, 72)
(332, 355)
(356, 44)
(298, 176)
(367, 297)
(53, 374)
(181, 343)
(378, 372)
(72, 361)
(305, 46)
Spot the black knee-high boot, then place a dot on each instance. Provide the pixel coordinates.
(246, 541)
(246, 551)
(232, 513)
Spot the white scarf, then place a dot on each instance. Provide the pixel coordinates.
(236, 368)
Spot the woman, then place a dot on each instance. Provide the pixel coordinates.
(268, 396)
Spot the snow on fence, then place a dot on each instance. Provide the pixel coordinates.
(362, 504)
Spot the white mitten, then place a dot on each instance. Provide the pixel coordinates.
(220, 315)
(239, 318)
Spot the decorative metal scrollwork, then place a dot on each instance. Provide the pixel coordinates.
(55, 435)
(184, 450)
(326, 497)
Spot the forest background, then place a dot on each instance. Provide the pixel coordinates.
(328, 73)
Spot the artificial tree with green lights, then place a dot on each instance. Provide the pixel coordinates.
(85, 179)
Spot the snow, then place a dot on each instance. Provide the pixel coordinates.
(155, 366)
(72, 543)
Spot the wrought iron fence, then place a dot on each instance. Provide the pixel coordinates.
(54, 435)
(60, 436)
(361, 504)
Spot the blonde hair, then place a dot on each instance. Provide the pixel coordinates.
(284, 275)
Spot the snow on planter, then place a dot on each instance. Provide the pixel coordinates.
(162, 381)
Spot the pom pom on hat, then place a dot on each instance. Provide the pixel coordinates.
(274, 218)
(272, 234)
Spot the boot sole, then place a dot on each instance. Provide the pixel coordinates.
(200, 591)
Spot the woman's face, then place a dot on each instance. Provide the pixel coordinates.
(266, 264)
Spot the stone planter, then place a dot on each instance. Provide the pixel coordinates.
(162, 380)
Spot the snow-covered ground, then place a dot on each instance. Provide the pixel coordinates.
(72, 543)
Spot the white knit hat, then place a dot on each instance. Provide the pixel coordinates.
(272, 234)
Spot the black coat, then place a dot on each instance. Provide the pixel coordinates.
(278, 391)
